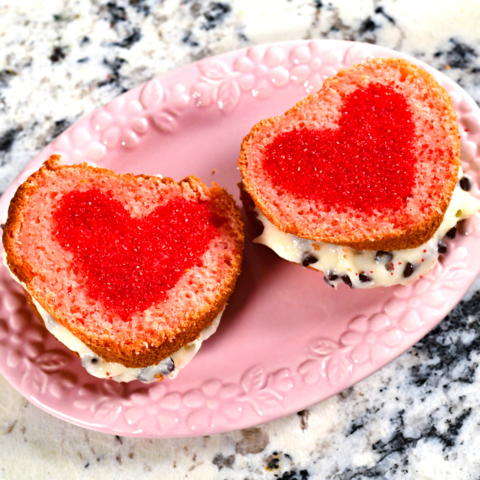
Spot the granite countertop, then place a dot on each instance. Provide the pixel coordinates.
(417, 418)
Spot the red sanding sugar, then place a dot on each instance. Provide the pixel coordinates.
(129, 264)
(366, 164)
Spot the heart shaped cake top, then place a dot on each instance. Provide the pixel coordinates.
(135, 267)
(369, 162)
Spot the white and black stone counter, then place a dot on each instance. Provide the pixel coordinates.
(417, 418)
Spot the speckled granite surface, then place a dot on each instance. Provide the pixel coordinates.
(418, 418)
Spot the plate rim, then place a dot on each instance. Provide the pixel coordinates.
(283, 386)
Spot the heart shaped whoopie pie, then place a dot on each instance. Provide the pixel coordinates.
(369, 162)
(134, 266)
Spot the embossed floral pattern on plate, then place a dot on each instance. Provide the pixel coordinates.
(286, 340)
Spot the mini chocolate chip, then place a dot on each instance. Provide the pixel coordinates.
(388, 267)
(2, 226)
(90, 359)
(462, 227)
(309, 260)
(169, 364)
(332, 277)
(347, 281)
(442, 247)
(409, 268)
(328, 283)
(465, 184)
(383, 257)
(452, 232)
(364, 278)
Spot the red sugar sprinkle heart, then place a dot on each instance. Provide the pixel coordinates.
(366, 164)
(129, 264)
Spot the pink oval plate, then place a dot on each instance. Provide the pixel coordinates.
(286, 340)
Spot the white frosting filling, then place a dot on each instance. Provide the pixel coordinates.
(99, 368)
(374, 269)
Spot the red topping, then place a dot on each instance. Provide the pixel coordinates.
(365, 164)
(129, 264)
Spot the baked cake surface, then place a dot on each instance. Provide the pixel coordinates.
(134, 266)
(369, 162)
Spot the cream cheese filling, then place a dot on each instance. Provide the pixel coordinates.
(98, 367)
(366, 269)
